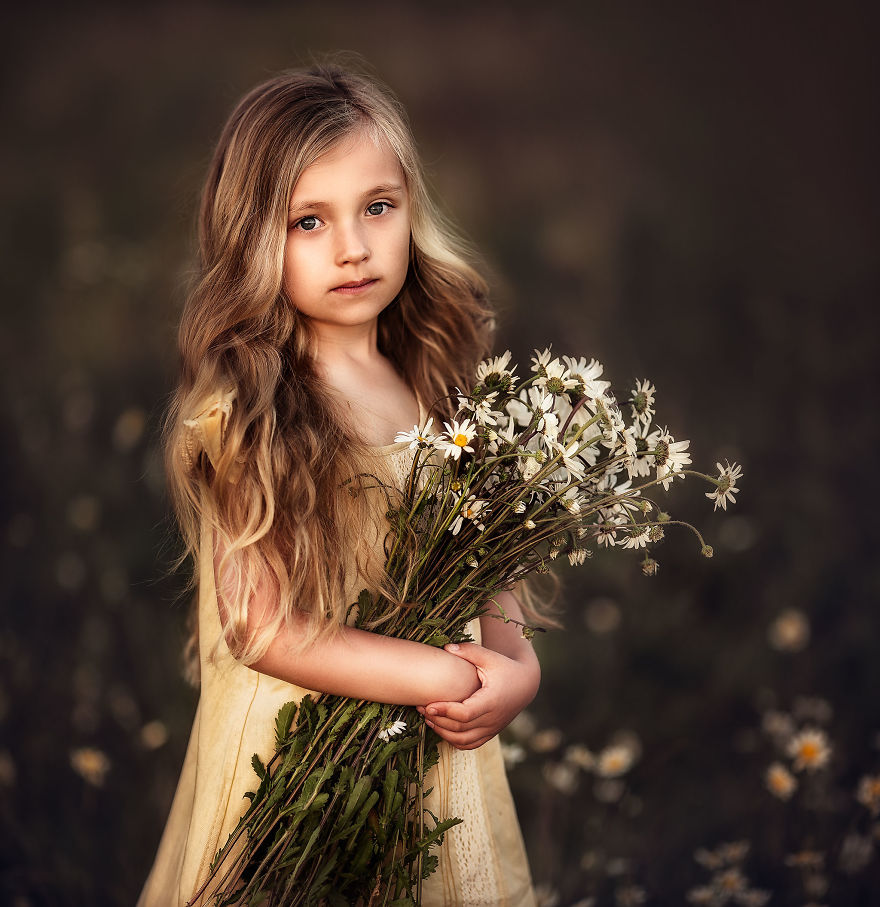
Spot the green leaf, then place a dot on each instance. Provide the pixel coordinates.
(283, 722)
(259, 768)
(358, 794)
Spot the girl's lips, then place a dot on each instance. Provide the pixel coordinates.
(354, 287)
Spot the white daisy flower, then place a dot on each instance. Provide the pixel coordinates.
(641, 463)
(470, 510)
(506, 431)
(809, 749)
(494, 372)
(571, 500)
(392, 730)
(607, 534)
(540, 361)
(460, 435)
(587, 375)
(780, 781)
(482, 409)
(548, 421)
(670, 457)
(727, 478)
(577, 556)
(418, 437)
(518, 410)
(614, 761)
(637, 537)
(556, 378)
(642, 402)
(570, 458)
(529, 466)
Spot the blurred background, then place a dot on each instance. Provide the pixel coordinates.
(687, 192)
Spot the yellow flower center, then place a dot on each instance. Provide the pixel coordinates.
(460, 439)
(809, 751)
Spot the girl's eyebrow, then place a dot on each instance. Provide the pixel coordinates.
(382, 189)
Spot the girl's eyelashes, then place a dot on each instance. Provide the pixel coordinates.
(310, 222)
(307, 223)
(382, 206)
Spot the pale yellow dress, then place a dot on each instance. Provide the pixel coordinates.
(482, 861)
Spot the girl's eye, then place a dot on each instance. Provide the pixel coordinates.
(307, 223)
(378, 208)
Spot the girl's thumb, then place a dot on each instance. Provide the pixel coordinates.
(467, 650)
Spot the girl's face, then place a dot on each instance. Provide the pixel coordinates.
(347, 249)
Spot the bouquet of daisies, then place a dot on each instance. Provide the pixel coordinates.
(528, 470)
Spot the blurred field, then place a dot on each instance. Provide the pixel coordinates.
(687, 194)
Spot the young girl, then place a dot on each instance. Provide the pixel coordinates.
(334, 309)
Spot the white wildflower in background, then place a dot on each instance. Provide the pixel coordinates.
(154, 734)
(790, 632)
(523, 725)
(561, 776)
(806, 859)
(856, 852)
(614, 761)
(392, 730)
(630, 896)
(512, 753)
(460, 435)
(609, 790)
(90, 764)
(417, 437)
(780, 781)
(602, 615)
(727, 479)
(546, 895)
(546, 740)
(642, 402)
(577, 754)
(809, 749)
(728, 884)
(868, 793)
(778, 725)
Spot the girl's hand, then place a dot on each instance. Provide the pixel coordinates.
(507, 687)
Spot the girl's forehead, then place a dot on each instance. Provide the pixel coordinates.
(357, 162)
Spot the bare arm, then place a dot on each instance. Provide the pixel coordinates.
(358, 663)
(509, 676)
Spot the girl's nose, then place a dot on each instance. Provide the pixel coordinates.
(353, 246)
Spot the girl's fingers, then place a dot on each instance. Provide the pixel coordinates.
(458, 711)
(464, 741)
(445, 726)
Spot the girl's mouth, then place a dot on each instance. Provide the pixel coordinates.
(354, 287)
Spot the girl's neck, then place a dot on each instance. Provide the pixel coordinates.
(335, 345)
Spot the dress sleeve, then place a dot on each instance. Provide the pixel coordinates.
(206, 431)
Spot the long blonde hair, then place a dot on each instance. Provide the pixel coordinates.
(273, 497)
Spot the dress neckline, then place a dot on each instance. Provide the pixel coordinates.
(395, 446)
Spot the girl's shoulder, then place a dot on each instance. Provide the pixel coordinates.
(204, 428)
